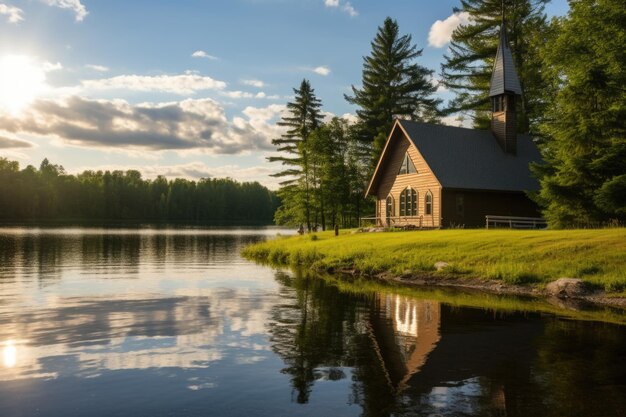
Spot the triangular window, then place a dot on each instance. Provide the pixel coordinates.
(408, 167)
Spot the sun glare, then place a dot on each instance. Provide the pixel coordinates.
(21, 80)
(9, 354)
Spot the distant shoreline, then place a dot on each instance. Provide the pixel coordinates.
(127, 224)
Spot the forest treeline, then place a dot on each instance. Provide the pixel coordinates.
(50, 194)
(573, 77)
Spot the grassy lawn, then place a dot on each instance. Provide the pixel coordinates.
(513, 256)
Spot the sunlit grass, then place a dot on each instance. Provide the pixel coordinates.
(512, 256)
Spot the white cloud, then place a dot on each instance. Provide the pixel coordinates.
(321, 70)
(14, 14)
(192, 124)
(458, 121)
(260, 118)
(441, 88)
(99, 68)
(49, 66)
(237, 94)
(441, 31)
(183, 84)
(202, 54)
(254, 83)
(74, 5)
(351, 118)
(346, 7)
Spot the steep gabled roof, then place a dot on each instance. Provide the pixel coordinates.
(504, 76)
(469, 158)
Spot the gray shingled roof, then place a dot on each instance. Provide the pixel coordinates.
(504, 76)
(473, 159)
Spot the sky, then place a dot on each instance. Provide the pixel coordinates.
(186, 88)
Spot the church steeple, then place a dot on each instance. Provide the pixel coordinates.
(503, 91)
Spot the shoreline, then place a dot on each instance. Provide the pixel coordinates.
(565, 267)
(476, 284)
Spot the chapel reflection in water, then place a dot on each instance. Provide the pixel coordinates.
(418, 357)
(323, 334)
(175, 313)
(404, 331)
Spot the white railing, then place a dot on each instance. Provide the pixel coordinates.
(515, 222)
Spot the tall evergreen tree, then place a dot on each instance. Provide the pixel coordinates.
(393, 85)
(467, 68)
(583, 182)
(303, 118)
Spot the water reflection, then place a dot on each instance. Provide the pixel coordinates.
(9, 354)
(174, 323)
(406, 356)
(404, 331)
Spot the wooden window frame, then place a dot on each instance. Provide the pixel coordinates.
(407, 163)
(409, 202)
(428, 204)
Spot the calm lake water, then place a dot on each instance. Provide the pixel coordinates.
(175, 323)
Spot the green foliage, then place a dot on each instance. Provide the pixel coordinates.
(513, 256)
(468, 66)
(393, 85)
(583, 182)
(51, 194)
(304, 117)
(339, 173)
(327, 167)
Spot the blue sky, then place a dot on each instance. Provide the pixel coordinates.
(115, 84)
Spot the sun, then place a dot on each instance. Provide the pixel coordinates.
(21, 81)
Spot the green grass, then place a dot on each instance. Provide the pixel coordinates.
(513, 256)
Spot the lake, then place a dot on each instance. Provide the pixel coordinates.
(173, 322)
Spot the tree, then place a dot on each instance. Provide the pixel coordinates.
(303, 118)
(467, 68)
(337, 163)
(51, 194)
(583, 182)
(393, 85)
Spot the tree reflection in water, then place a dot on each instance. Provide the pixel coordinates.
(323, 334)
(409, 356)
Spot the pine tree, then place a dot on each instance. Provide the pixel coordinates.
(336, 159)
(583, 182)
(467, 68)
(303, 118)
(393, 85)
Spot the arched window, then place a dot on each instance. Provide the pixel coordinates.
(408, 167)
(428, 204)
(408, 202)
(389, 206)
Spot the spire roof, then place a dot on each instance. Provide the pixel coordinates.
(504, 78)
